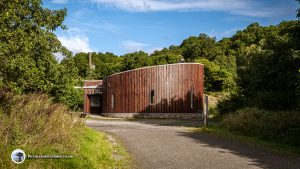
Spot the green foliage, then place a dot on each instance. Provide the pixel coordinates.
(216, 78)
(231, 104)
(136, 60)
(201, 46)
(105, 64)
(166, 56)
(170, 55)
(268, 72)
(281, 126)
(81, 61)
(27, 44)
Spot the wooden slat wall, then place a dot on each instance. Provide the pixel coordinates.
(172, 85)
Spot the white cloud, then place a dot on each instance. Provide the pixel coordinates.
(133, 46)
(59, 1)
(225, 33)
(241, 7)
(75, 40)
(151, 50)
(231, 31)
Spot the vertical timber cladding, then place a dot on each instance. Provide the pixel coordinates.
(176, 88)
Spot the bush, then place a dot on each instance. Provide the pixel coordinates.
(274, 100)
(281, 126)
(32, 122)
(230, 104)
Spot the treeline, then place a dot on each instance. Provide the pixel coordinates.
(258, 66)
(220, 67)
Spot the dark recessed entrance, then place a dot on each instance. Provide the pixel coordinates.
(95, 104)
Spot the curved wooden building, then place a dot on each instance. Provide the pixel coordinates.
(171, 91)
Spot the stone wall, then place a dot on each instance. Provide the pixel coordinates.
(155, 115)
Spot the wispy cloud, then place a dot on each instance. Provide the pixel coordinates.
(59, 1)
(151, 50)
(225, 33)
(240, 7)
(75, 40)
(133, 46)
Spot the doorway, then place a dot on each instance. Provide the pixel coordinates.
(95, 104)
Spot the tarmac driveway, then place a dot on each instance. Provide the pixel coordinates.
(167, 144)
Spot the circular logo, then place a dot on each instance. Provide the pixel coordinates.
(18, 156)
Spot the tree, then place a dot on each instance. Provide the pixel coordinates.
(136, 60)
(216, 79)
(27, 44)
(167, 56)
(196, 47)
(268, 74)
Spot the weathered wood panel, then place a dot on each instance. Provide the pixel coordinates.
(172, 84)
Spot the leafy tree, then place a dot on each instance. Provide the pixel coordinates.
(216, 79)
(136, 60)
(105, 64)
(27, 44)
(268, 65)
(82, 64)
(196, 47)
(160, 59)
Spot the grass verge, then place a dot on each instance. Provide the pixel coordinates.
(42, 128)
(94, 151)
(216, 129)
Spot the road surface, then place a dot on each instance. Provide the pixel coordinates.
(167, 144)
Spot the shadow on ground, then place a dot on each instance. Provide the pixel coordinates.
(259, 157)
(169, 122)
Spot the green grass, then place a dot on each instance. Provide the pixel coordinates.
(97, 152)
(38, 126)
(94, 151)
(216, 129)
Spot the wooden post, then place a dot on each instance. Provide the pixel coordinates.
(205, 110)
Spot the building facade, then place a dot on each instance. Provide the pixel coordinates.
(166, 91)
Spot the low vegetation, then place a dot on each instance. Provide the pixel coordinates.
(254, 141)
(280, 126)
(39, 127)
(275, 130)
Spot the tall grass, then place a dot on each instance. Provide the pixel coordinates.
(38, 126)
(278, 126)
(33, 123)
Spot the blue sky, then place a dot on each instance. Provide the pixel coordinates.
(122, 26)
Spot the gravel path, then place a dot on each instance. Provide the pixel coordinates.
(166, 144)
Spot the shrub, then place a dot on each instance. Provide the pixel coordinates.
(274, 100)
(230, 104)
(282, 126)
(32, 122)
